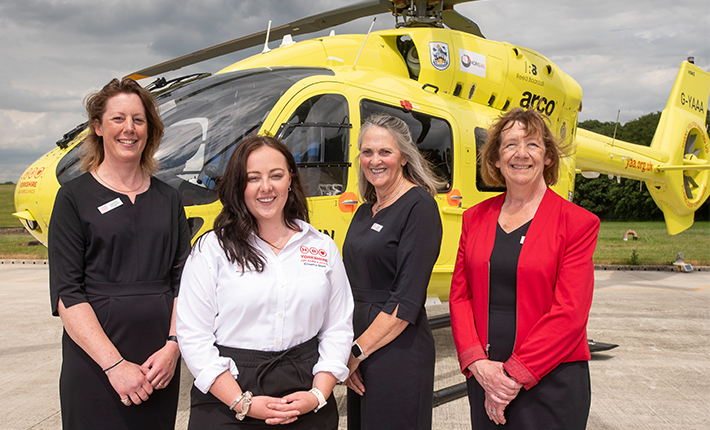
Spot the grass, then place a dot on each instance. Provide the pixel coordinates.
(654, 245)
(15, 246)
(7, 206)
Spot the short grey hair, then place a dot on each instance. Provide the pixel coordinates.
(418, 170)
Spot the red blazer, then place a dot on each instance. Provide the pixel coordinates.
(554, 289)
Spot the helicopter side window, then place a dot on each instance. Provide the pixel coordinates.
(318, 135)
(432, 135)
(481, 137)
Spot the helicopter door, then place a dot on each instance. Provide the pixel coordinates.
(434, 138)
(317, 130)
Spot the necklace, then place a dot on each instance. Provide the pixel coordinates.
(118, 189)
(379, 205)
(277, 246)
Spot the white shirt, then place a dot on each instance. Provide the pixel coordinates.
(302, 292)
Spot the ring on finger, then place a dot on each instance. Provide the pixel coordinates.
(493, 411)
(160, 385)
(126, 401)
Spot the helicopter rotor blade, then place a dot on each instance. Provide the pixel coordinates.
(456, 21)
(306, 25)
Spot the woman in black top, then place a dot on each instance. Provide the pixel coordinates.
(389, 252)
(117, 238)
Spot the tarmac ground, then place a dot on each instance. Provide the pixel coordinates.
(658, 377)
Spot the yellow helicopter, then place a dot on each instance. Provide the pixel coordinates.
(448, 84)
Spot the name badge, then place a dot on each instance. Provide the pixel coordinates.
(376, 227)
(113, 204)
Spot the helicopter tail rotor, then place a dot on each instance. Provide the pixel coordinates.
(682, 134)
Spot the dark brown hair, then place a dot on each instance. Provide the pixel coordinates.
(96, 107)
(536, 124)
(235, 224)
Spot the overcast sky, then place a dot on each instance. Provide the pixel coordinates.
(624, 54)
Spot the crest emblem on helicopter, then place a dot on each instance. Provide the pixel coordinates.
(473, 62)
(439, 53)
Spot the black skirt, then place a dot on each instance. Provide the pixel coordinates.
(268, 373)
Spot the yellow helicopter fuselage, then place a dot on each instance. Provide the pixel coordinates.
(458, 86)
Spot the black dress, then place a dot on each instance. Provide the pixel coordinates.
(562, 398)
(124, 259)
(389, 259)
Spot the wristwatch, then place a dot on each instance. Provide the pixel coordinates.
(172, 338)
(358, 352)
(321, 399)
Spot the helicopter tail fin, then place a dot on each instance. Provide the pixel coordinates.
(683, 139)
(676, 168)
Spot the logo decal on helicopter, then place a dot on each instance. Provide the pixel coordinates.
(473, 63)
(534, 101)
(439, 53)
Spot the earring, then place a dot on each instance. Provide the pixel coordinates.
(289, 189)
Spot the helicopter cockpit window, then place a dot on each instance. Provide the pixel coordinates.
(204, 125)
(432, 135)
(317, 134)
(204, 121)
(481, 137)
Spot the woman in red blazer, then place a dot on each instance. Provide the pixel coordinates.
(522, 287)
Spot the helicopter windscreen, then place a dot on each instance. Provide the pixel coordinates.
(204, 121)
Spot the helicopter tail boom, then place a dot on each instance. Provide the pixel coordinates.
(676, 168)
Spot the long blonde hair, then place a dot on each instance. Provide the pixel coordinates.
(417, 170)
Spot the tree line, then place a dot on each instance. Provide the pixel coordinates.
(630, 199)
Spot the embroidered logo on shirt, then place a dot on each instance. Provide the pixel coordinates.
(376, 227)
(113, 204)
(312, 256)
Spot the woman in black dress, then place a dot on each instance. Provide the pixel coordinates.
(389, 252)
(522, 287)
(117, 238)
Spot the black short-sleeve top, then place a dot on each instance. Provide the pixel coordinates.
(97, 237)
(389, 257)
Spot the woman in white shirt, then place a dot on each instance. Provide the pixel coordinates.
(264, 316)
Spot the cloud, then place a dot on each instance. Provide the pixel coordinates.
(624, 55)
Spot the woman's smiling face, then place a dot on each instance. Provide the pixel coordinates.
(380, 159)
(521, 157)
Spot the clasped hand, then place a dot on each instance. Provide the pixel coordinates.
(138, 382)
(500, 388)
(284, 410)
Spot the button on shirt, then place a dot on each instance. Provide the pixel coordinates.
(302, 292)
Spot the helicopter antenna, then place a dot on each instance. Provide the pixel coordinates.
(365, 41)
(615, 127)
(266, 42)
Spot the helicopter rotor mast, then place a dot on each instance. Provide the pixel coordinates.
(414, 12)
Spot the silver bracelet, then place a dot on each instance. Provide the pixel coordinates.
(246, 403)
(236, 401)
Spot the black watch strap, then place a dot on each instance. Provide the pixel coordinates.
(172, 338)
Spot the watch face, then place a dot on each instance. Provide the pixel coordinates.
(357, 352)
